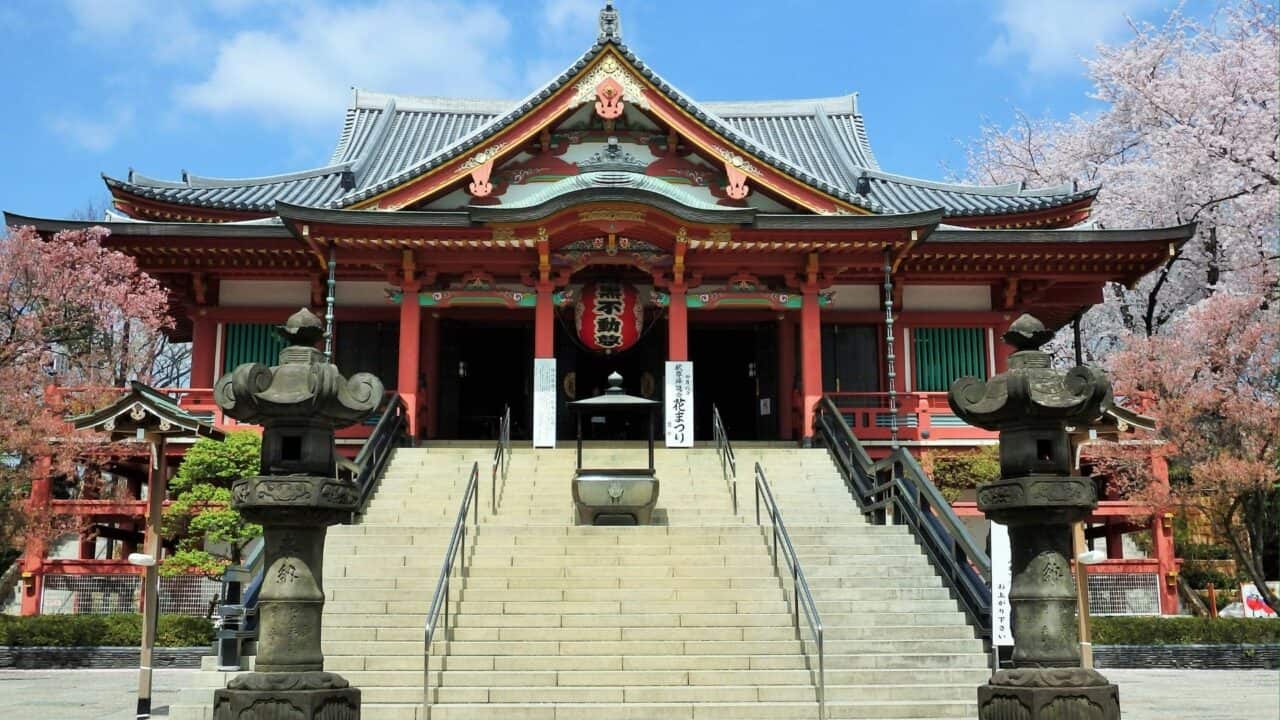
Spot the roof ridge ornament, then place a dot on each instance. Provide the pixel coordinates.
(610, 24)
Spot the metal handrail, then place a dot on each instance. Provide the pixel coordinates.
(896, 490)
(501, 459)
(728, 462)
(373, 456)
(799, 585)
(440, 600)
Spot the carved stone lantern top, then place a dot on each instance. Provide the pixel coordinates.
(299, 402)
(304, 387)
(1031, 390)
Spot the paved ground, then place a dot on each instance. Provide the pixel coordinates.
(1144, 694)
(83, 694)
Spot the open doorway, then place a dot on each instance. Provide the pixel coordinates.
(484, 367)
(734, 369)
(584, 373)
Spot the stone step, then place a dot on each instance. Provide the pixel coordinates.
(559, 594)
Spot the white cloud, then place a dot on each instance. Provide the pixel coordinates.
(162, 29)
(300, 72)
(97, 133)
(575, 17)
(1053, 35)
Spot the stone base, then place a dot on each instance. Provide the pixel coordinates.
(287, 696)
(1048, 694)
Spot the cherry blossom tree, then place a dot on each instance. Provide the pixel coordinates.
(72, 313)
(1214, 385)
(1189, 134)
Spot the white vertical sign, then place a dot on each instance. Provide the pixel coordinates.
(1001, 581)
(679, 403)
(544, 402)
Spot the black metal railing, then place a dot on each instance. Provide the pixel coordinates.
(728, 462)
(237, 608)
(501, 459)
(801, 597)
(387, 435)
(454, 554)
(896, 490)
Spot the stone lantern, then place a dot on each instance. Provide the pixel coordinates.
(1039, 497)
(299, 403)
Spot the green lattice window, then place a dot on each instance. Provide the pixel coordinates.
(250, 343)
(941, 355)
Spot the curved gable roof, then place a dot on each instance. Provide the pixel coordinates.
(387, 140)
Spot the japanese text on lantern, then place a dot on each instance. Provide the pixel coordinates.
(608, 316)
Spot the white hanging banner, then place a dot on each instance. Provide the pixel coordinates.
(679, 403)
(1001, 581)
(544, 402)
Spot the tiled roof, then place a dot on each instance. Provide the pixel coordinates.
(389, 139)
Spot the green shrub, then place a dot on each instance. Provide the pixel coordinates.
(1203, 551)
(1183, 631)
(1199, 576)
(955, 471)
(201, 509)
(102, 631)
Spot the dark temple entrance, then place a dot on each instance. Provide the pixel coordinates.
(735, 369)
(484, 366)
(584, 374)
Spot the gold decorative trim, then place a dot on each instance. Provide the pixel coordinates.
(732, 158)
(611, 215)
(483, 156)
(609, 67)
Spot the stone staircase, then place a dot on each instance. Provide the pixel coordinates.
(685, 618)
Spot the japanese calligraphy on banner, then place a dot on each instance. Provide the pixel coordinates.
(609, 317)
(544, 402)
(1001, 581)
(679, 404)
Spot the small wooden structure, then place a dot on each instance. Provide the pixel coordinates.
(147, 415)
(615, 496)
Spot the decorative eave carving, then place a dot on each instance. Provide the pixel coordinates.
(627, 86)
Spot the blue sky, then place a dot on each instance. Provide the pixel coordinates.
(230, 88)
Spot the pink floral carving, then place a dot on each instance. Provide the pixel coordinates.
(609, 99)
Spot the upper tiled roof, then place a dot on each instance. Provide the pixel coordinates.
(389, 139)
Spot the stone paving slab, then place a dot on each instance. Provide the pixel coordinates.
(1144, 694)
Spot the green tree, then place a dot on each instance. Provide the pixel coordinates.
(201, 511)
(955, 471)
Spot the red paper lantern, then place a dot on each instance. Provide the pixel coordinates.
(609, 317)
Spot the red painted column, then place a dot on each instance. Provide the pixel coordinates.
(678, 323)
(1115, 544)
(431, 368)
(786, 376)
(544, 323)
(810, 360)
(410, 342)
(1162, 542)
(33, 555)
(1003, 349)
(204, 347)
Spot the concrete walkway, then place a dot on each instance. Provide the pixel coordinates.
(1144, 694)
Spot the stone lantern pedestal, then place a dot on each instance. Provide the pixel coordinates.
(1039, 498)
(299, 403)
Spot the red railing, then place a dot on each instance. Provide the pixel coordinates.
(921, 416)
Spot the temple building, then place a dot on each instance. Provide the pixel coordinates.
(571, 266)
(748, 256)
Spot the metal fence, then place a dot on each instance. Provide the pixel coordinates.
(108, 594)
(1124, 593)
